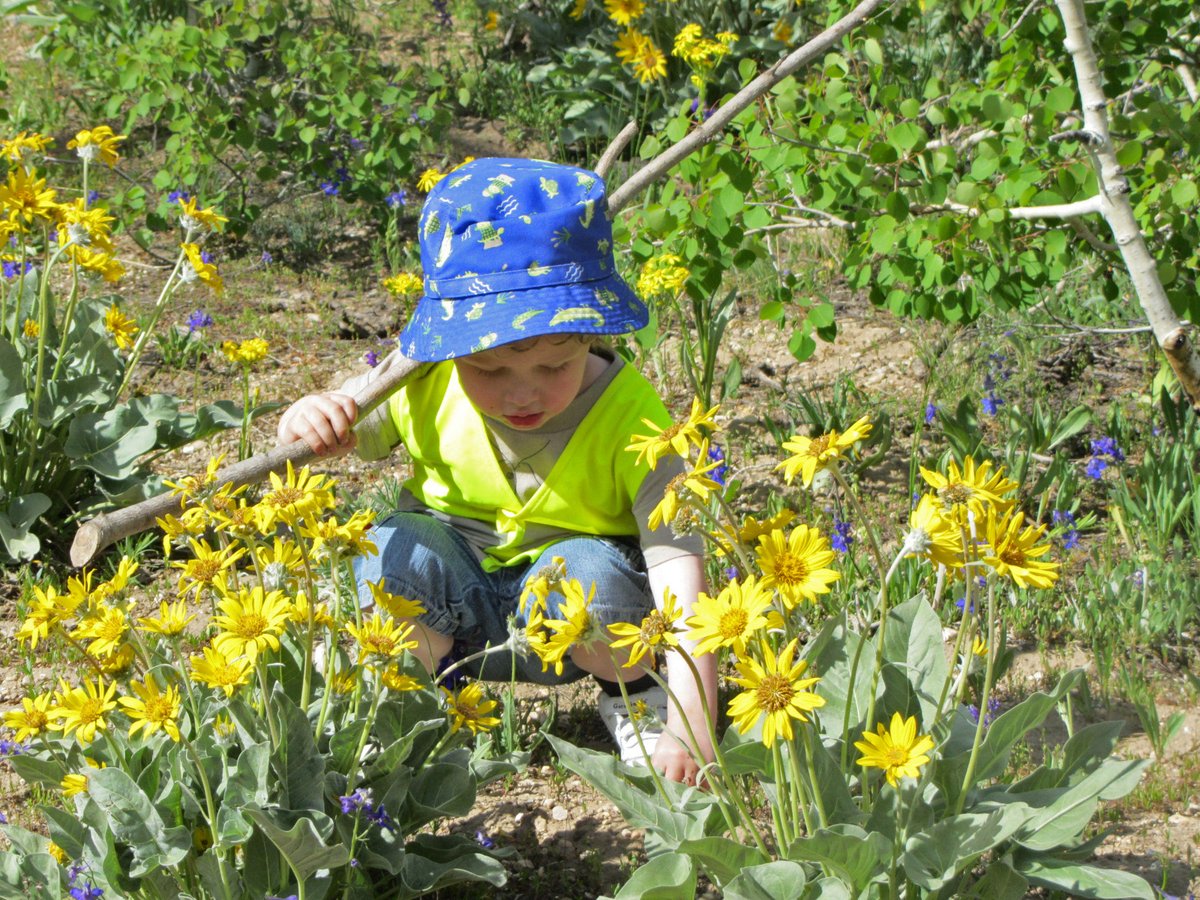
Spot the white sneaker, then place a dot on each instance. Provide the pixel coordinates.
(649, 717)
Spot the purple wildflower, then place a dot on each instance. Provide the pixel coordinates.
(3, 819)
(329, 188)
(732, 573)
(177, 195)
(266, 259)
(842, 536)
(12, 748)
(930, 412)
(371, 358)
(484, 841)
(717, 455)
(442, 14)
(397, 198)
(1066, 520)
(378, 816)
(198, 320)
(206, 257)
(92, 197)
(86, 891)
(1095, 468)
(992, 404)
(12, 268)
(359, 799)
(1107, 446)
(961, 602)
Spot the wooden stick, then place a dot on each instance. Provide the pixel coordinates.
(613, 150)
(102, 531)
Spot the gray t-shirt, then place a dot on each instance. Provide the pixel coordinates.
(526, 457)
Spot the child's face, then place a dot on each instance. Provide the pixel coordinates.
(525, 385)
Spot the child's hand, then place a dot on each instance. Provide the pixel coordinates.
(323, 421)
(673, 758)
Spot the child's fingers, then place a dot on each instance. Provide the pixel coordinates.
(323, 421)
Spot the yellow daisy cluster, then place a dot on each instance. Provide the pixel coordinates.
(969, 519)
(662, 274)
(404, 284)
(246, 352)
(701, 54)
(640, 53)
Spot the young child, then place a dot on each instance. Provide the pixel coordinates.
(518, 433)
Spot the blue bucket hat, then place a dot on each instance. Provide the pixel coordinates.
(513, 249)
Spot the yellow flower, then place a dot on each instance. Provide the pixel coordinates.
(686, 40)
(428, 179)
(970, 491)
(695, 481)
(343, 539)
(97, 142)
(774, 689)
(295, 496)
(651, 63)
(105, 629)
(32, 719)
(47, 610)
(782, 32)
(578, 9)
(172, 619)
(302, 612)
(82, 709)
(193, 521)
(979, 646)
(189, 487)
(1013, 552)
(342, 682)
(656, 630)
(116, 661)
(729, 619)
(796, 566)
(193, 218)
(126, 569)
(576, 628)
(80, 226)
(897, 750)
(74, 783)
(812, 454)
(624, 11)
(59, 854)
(469, 708)
(219, 670)
(208, 569)
(400, 607)
(752, 529)
(247, 352)
(662, 275)
(933, 535)
(282, 553)
(492, 21)
(196, 269)
(404, 284)
(675, 438)
(382, 637)
(629, 45)
(14, 149)
(395, 680)
(120, 326)
(153, 709)
(25, 197)
(31, 330)
(250, 622)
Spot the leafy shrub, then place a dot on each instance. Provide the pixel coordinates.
(71, 437)
(251, 102)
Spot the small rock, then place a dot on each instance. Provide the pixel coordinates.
(519, 818)
(547, 770)
(559, 814)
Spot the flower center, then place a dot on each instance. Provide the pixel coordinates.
(226, 674)
(819, 446)
(654, 626)
(205, 569)
(159, 709)
(774, 693)
(250, 625)
(1013, 556)
(90, 711)
(733, 623)
(286, 496)
(895, 756)
(790, 569)
(36, 719)
(670, 432)
(111, 629)
(379, 643)
(956, 493)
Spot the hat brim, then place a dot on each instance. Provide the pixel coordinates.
(446, 328)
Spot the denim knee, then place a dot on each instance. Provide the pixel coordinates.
(423, 559)
(615, 567)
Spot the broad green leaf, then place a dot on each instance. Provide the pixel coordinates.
(112, 443)
(1000, 882)
(1085, 881)
(664, 877)
(299, 840)
(441, 789)
(12, 383)
(634, 794)
(299, 768)
(722, 858)
(134, 821)
(938, 855)
(770, 881)
(247, 781)
(913, 642)
(1064, 820)
(831, 657)
(1070, 425)
(16, 522)
(854, 855)
(431, 861)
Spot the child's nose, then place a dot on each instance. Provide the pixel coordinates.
(521, 394)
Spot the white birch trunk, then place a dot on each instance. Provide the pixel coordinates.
(1171, 333)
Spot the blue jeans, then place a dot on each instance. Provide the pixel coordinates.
(426, 560)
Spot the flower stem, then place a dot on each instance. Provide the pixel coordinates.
(969, 775)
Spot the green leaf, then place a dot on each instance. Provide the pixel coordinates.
(434, 861)
(442, 789)
(935, 857)
(16, 522)
(12, 383)
(1071, 424)
(1085, 881)
(913, 642)
(299, 767)
(1184, 192)
(135, 821)
(769, 881)
(247, 781)
(664, 877)
(1001, 882)
(722, 858)
(854, 855)
(831, 656)
(110, 443)
(299, 841)
(1064, 820)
